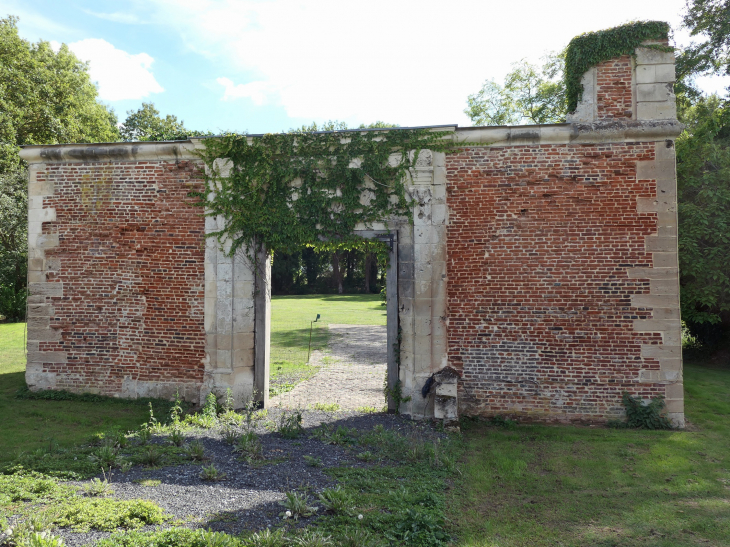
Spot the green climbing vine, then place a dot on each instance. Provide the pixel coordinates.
(286, 191)
(592, 48)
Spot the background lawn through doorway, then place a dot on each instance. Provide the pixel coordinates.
(291, 317)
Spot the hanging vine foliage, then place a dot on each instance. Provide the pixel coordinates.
(589, 49)
(286, 191)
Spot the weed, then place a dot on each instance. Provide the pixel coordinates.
(208, 538)
(228, 402)
(641, 415)
(230, 434)
(151, 457)
(249, 446)
(367, 409)
(419, 527)
(43, 539)
(144, 434)
(290, 424)
(98, 488)
(328, 434)
(396, 393)
(148, 482)
(125, 465)
(500, 421)
(176, 409)
(296, 506)
(327, 407)
(106, 456)
(312, 539)
(267, 538)
(177, 437)
(313, 461)
(195, 451)
(210, 408)
(359, 538)
(251, 415)
(211, 473)
(366, 456)
(337, 500)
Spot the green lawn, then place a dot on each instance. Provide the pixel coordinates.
(291, 319)
(573, 486)
(30, 424)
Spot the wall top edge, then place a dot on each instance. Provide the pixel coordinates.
(110, 152)
(571, 133)
(567, 133)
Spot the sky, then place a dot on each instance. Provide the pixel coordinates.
(262, 66)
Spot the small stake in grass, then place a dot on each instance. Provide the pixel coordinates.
(311, 325)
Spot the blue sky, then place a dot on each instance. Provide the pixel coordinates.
(269, 65)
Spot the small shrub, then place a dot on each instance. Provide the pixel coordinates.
(290, 424)
(108, 514)
(313, 461)
(641, 415)
(211, 473)
(195, 451)
(296, 506)
(337, 500)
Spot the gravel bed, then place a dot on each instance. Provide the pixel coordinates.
(248, 498)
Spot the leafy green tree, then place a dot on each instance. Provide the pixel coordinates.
(711, 20)
(146, 124)
(45, 97)
(703, 175)
(530, 94)
(13, 242)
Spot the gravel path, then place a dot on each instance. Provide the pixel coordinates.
(248, 498)
(352, 371)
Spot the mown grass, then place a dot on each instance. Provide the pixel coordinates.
(28, 425)
(291, 320)
(573, 486)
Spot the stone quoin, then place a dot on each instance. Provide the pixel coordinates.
(538, 279)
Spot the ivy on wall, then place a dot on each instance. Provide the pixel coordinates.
(589, 49)
(287, 191)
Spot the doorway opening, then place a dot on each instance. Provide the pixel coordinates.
(333, 326)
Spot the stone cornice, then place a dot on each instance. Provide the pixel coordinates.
(111, 152)
(571, 133)
(567, 133)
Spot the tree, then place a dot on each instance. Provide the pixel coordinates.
(146, 124)
(45, 97)
(13, 242)
(711, 19)
(530, 94)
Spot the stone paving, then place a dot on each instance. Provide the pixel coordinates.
(352, 371)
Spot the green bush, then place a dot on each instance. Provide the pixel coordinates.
(109, 514)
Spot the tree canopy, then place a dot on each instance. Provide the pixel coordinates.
(146, 124)
(46, 97)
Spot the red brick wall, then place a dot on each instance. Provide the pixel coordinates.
(614, 98)
(539, 242)
(131, 262)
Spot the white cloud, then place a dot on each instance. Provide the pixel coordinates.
(411, 62)
(258, 92)
(120, 75)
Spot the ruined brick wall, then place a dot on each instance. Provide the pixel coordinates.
(614, 96)
(541, 240)
(124, 275)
